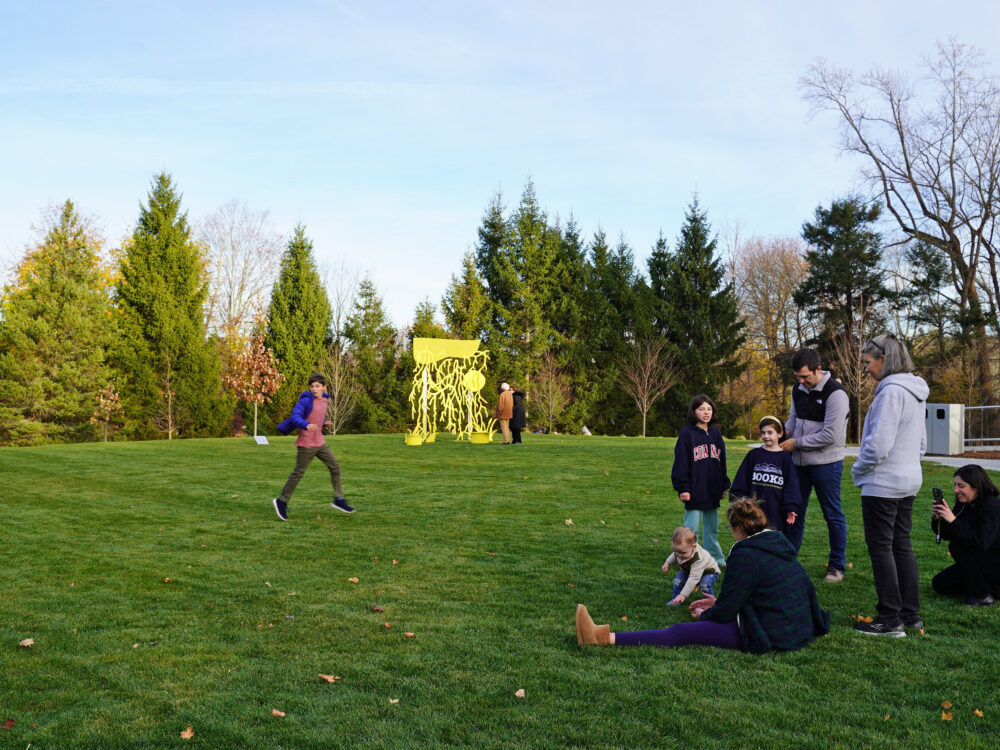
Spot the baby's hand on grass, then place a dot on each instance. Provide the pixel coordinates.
(679, 599)
(666, 567)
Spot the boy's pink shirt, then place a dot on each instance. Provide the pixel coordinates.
(314, 438)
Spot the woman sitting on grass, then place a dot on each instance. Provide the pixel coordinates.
(973, 529)
(767, 602)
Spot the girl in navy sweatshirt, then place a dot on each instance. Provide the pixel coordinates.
(768, 475)
(699, 474)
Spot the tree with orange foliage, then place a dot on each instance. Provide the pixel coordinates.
(253, 375)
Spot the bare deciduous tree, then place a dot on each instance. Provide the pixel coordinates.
(551, 390)
(242, 259)
(848, 364)
(646, 371)
(341, 384)
(341, 281)
(935, 159)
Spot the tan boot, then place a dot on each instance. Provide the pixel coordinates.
(587, 632)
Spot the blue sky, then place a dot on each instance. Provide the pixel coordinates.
(385, 127)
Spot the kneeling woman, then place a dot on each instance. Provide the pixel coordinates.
(973, 528)
(767, 601)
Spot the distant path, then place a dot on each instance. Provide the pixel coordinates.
(991, 464)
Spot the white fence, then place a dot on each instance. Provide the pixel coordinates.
(982, 427)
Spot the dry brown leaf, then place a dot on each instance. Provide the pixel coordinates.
(376, 608)
(864, 619)
(71, 585)
(409, 635)
(354, 580)
(374, 559)
(571, 585)
(27, 643)
(850, 565)
(276, 712)
(187, 734)
(569, 521)
(978, 713)
(603, 524)
(388, 624)
(135, 645)
(395, 562)
(946, 716)
(945, 704)
(167, 580)
(8, 723)
(606, 474)
(624, 618)
(519, 693)
(887, 717)
(267, 583)
(329, 677)
(394, 700)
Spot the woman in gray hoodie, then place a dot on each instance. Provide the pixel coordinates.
(889, 475)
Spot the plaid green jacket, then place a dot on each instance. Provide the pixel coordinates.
(768, 592)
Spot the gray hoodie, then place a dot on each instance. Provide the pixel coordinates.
(893, 439)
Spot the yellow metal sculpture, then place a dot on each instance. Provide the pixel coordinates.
(447, 389)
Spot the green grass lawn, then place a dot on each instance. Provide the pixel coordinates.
(468, 548)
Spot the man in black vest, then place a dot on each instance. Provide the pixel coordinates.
(817, 434)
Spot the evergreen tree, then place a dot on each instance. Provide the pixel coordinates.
(54, 335)
(465, 305)
(701, 314)
(425, 324)
(384, 389)
(298, 322)
(658, 267)
(169, 373)
(845, 274)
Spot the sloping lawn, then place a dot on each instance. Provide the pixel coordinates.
(469, 549)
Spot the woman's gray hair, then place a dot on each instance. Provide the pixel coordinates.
(897, 359)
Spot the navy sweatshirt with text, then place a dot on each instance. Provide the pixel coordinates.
(772, 479)
(700, 467)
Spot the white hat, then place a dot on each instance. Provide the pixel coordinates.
(505, 386)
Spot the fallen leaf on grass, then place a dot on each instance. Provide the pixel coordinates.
(276, 712)
(606, 474)
(624, 618)
(491, 554)
(354, 580)
(374, 559)
(978, 713)
(135, 645)
(267, 583)
(167, 580)
(647, 492)
(887, 717)
(570, 585)
(187, 734)
(519, 693)
(72, 584)
(394, 700)
(569, 521)
(27, 643)
(395, 561)
(376, 608)
(922, 632)
(388, 624)
(946, 716)
(850, 565)
(409, 635)
(8, 723)
(329, 677)
(946, 704)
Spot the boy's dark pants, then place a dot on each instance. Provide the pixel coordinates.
(302, 461)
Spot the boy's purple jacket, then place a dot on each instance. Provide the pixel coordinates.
(300, 412)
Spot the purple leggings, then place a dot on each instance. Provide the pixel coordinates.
(720, 635)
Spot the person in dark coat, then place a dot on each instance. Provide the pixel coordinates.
(767, 602)
(517, 420)
(972, 528)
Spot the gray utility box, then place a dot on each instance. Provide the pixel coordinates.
(945, 429)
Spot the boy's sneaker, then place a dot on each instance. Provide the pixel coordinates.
(834, 576)
(341, 505)
(893, 630)
(915, 624)
(281, 508)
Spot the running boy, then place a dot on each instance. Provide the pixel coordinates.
(309, 418)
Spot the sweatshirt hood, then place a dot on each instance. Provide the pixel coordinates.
(914, 384)
(769, 541)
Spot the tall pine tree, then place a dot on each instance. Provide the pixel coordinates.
(298, 322)
(54, 336)
(701, 314)
(169, 372)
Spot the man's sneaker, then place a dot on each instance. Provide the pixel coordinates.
(341, 505)
(881, 628)
(281, 508)
(833, 575)
(915, 624)
(980, 601)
